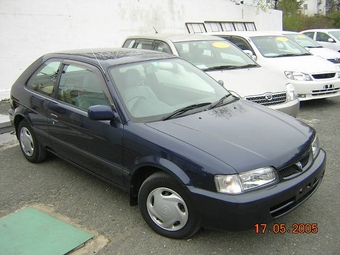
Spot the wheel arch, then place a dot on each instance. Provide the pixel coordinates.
(149, 167)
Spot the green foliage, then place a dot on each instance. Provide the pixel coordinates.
(294, 20)
(300, 22)
(335, 17)
(290, 7)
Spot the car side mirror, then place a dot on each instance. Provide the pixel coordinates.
(331, 40)
(250, 54)
(221, 82)
(101, 112)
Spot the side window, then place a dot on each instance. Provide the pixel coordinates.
(129, 43)
(323, 37)
(162, 46)
(309, 34)
(144, 44)
(81, 87)
(44, 79)
(239, 42)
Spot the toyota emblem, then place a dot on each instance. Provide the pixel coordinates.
(269, 97)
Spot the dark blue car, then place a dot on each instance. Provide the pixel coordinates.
(186, 150)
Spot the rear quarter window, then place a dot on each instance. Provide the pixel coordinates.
(44, 80)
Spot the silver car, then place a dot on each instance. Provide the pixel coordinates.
(226, 63)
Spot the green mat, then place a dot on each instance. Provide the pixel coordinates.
(33, 232)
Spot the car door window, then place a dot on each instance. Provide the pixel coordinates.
(162, 46)
(44, 79)
(322, 37)
(129, 43)
(241, 43)
(144, 44)
(81, 87)
(310, 34)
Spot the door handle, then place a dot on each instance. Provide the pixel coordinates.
(54, 117)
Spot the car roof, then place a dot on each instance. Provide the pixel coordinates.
(108, 56)
(175, 37)
(321, 29)
(247, 33)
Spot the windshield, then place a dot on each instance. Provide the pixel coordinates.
(336, 34)
(214, 55)
(152, 90)
(304, 40)
(278, 46)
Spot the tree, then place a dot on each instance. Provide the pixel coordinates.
(290, 7)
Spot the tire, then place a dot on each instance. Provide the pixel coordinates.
(29, 144)
(166, 208)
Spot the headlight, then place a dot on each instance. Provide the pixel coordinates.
(298, 76)
(239, 183)
(315, 146)
(291, 92)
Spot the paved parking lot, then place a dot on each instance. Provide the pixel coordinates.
(91, 204)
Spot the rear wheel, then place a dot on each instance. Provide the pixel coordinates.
(166, 208)
(29, 145)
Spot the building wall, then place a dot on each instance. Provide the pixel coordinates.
(313, 7)
(30, 28)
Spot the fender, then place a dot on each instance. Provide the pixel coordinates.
(163, 164)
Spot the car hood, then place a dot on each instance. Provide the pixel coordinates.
(307, 64)
(249, 81)
(325, 53)
(242, 134)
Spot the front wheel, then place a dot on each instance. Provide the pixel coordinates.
(29, 145)
(166, 208)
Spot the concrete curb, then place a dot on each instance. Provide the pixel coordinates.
(5, 124)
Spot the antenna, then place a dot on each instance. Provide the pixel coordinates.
(155, 30)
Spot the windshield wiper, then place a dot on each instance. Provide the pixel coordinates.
(184, 109)
(249, 65)
(220, 101)
(293, 55)
(314, 47)
(222, 67)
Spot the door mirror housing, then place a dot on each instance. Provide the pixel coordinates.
(250, 54)
(101, 112)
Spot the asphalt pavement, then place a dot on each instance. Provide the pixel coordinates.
(89, 203)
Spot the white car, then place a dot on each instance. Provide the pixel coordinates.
(329, 38)
(226, 63)
(314, 47)
(312, 76)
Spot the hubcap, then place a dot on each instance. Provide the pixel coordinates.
(167, 209)
(26, 142)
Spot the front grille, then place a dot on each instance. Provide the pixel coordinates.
(295, 169)
(268, 98)
(290, 204)
(334, 60)
(324, 75)
(324, 91)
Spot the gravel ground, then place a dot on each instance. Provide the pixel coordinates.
(4, 106)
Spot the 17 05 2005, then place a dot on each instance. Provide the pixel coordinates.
(282, 228)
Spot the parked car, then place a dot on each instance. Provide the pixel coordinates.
(314, 47)
(329, 38)
(185, 149)
(311, 76)
(225, 62)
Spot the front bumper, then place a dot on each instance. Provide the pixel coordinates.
(316, 89)
(241, 212)
(292, 107)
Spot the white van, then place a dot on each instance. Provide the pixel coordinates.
(312, 76)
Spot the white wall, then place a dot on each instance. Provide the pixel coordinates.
(30, 28)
